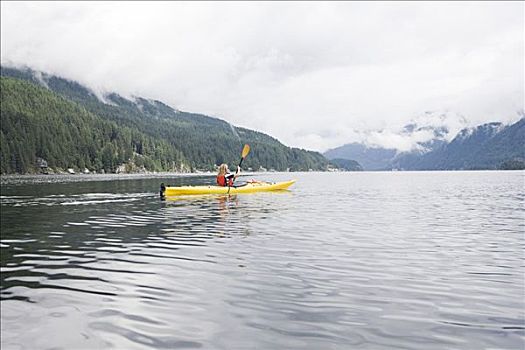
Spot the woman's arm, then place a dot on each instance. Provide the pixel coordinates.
(235, 175)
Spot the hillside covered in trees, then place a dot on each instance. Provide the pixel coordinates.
(44, 117)
(488, 146)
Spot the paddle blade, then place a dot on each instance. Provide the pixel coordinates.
(245, 150)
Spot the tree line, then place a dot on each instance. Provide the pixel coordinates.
(36, 123)
(68, 126)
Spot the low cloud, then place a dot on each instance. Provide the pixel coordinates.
(314, 75)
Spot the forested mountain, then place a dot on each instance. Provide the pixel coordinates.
(66, 124)
(487, 146)
(36, 123)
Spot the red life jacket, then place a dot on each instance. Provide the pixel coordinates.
(221, 181)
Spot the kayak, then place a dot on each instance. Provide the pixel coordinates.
(250, 187)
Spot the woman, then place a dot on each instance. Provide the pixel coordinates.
(225, 178)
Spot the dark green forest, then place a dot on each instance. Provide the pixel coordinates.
(65, 124)
(38, 123)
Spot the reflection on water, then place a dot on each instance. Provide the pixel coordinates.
(356, 260)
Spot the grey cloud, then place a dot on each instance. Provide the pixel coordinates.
(312, 74)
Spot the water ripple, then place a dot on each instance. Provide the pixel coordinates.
(367, 260)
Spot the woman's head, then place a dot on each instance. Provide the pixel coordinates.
(223, 169)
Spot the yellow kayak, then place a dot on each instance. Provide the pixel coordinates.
(248, 188)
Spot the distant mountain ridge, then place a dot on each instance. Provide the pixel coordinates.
(370, 158)
(347, 164)
(148, 132)
(424, 133)
(486, 146)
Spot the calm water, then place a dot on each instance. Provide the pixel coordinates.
(400, 260)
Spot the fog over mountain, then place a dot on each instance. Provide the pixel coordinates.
(429, 127)
(488, 146)
(312, 74)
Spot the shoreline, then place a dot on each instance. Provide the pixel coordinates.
(41, 179)
(51, 178)
(14, 179)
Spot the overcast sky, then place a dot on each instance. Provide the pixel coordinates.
(314, 75)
